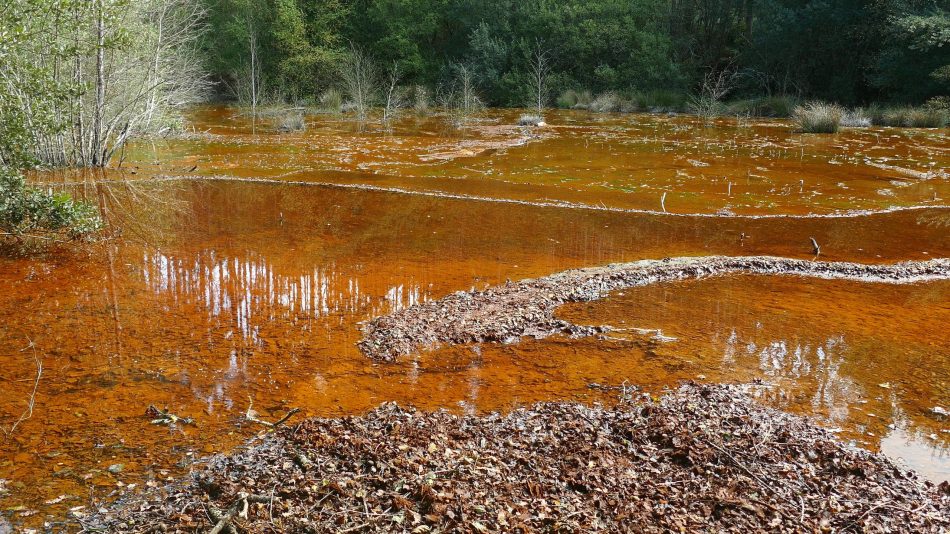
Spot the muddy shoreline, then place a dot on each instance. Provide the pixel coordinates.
(509, 312)
(702, 458)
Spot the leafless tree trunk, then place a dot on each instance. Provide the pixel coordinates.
(395, 98)
(97, 141)
(540, 69)
(255, 71)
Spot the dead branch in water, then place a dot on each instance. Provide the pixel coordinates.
(165, 417)
(815, 248)
(251, 415)
(28, 413)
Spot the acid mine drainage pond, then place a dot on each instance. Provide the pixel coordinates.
(251, 263)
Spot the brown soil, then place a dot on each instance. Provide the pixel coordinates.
(526, 308)
(703, 458)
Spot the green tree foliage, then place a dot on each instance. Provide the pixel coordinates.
(850, 51)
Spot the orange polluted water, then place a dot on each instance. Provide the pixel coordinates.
(221, 292)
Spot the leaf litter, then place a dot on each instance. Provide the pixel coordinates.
(701, 458)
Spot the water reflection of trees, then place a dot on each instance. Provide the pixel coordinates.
(251, 290)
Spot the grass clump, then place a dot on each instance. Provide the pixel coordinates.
(421, 100)
(572, 99)
(530, 120)
(608, 102)
(928, 116)
(291, 121)
(331, 101)
(818, 117)
(855, 118)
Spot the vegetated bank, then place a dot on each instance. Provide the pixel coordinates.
(526, 308)
(702, 458)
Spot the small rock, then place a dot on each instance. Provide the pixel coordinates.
(115, 469)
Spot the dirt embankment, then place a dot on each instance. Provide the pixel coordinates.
(526, 308)
(701, 459)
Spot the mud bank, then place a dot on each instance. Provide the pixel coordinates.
(703, 458)
(526, 308)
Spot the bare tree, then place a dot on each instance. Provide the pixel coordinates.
(395, 95)
(461, 100)
(358, 73)
(83, 90)
(716, 84)
(540, 69)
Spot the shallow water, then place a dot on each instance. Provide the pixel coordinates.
(220, 292)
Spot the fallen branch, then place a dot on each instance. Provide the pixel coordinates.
(28, 413)
(239, 508)
(251, 415)
(165, 417)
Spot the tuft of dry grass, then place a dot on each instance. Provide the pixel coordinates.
(818, 117)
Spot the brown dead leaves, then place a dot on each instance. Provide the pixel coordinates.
(703, 458)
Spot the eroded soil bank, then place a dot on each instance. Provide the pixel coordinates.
(702, 458)
(508, 312)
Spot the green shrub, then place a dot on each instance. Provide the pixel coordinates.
(567, 100)
(572, 99)
(941, 103)
(27, 212)
(767, 106)
(777, 106)
(661, 100)
(818, 117)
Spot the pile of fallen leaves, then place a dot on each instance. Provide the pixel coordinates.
(508, 312)
(702, 458)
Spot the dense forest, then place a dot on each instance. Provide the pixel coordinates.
(849, 51)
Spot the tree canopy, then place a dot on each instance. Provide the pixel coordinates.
(850, 51)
